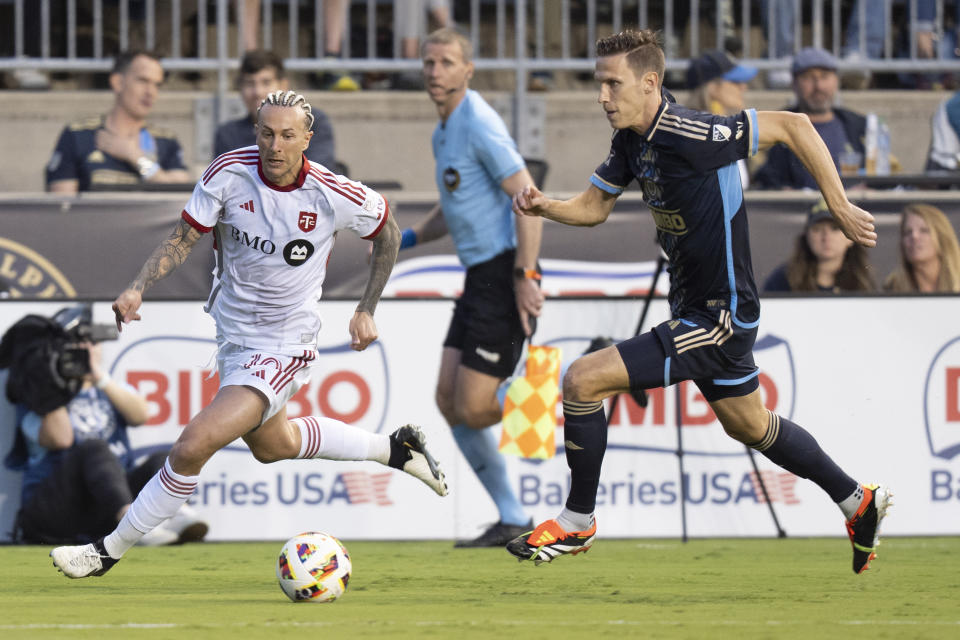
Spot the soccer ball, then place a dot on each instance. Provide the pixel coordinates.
(313, 567)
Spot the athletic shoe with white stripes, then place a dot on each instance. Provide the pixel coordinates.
(83, 561)
(864, 527)
(408, 452)
(549, 540)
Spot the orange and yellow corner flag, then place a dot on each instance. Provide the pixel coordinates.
(530, 409)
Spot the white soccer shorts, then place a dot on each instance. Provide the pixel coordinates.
(277, 377)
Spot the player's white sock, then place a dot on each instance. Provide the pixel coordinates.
(571, 521)
(851, 503)
(334, 440)
(159, 499)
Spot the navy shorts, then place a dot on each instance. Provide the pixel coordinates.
(706, 348)
(486, 324)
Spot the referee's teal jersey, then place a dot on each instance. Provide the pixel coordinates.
(474, 153)
(686, 165)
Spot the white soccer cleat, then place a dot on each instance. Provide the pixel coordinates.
(82, 561)
(408, 452)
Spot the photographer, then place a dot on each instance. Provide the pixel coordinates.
(79, 471)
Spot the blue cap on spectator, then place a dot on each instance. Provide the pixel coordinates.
(715, 64)
(813, 58)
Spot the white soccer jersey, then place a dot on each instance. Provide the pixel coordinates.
(272, 245)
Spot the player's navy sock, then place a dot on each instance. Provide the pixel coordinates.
(585, 439)
(159, 500)
(479, 447)
(791, 447)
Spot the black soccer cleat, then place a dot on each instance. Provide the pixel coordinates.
(864, 527)
(408, 452)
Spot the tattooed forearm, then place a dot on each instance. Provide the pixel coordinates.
(385, 248)
(168, 256)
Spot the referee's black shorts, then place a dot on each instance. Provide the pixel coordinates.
(486, 324)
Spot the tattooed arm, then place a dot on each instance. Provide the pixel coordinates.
(363, 330)
(168, 256)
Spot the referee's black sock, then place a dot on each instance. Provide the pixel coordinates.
(585, 440)
(793, 448)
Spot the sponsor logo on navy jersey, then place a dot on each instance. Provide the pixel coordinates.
(669, 222)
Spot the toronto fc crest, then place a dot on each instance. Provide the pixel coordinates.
(307, 221)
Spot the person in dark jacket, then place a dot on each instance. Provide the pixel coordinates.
(815, 85)
(261, 73)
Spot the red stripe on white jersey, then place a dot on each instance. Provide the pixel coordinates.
(333, 185)
(250, 162)
(230, 155)
(383, 221)
(349, 186)
(193, 223)
(331, 179)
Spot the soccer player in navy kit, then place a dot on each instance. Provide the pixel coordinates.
(685, 162)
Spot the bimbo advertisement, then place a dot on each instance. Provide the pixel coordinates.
(880, 394)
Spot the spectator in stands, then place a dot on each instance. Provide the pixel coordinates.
(334, 23)
(717, 85)
(782, 15)
(781, 43)
(119, 147)
(79, 471)
(929, 253)
(262, 73)
(945, 136)
(815, 85)
(823, 260)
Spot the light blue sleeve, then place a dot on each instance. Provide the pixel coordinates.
(495, 149)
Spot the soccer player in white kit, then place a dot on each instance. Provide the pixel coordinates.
(274, 216)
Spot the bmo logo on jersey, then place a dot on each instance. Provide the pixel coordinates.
(256, 242)
(297, 252)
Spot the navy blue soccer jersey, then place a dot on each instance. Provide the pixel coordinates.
(686, 165)
(76, 156)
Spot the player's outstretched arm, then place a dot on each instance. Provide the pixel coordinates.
(171, 253)
(587, 209)
(363, 330)
(796, 131)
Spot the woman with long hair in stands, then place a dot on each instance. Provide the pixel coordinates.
(929, 253)
(823, 260)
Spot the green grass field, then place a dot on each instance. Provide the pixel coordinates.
(621, 589)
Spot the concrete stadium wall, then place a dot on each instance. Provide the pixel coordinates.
(386, 135)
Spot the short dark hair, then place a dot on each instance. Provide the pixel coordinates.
(644, 50)
(125, 58)
(257, 60)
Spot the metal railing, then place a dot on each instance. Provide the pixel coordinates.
(524, 36)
